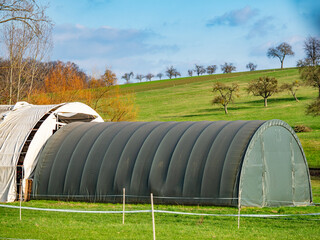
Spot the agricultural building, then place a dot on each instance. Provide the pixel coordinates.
(24, 128)
(251, 163)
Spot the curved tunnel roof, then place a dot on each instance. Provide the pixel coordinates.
(179, 162)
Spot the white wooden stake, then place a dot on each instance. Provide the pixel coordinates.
(239, 210)
(124, 204)
(20, 197)
(153, 223)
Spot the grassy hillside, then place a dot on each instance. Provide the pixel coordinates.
(186, 99)
(189, 99)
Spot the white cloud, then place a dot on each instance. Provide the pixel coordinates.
(121, 49)
(80, 42)
(234, 18)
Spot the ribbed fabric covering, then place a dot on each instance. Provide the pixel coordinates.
(179, 162)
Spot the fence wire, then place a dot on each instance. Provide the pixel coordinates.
(160, 211)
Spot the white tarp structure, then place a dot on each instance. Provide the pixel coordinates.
(24, 128)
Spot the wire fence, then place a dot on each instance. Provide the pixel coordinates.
(238, 216)
(157, 211)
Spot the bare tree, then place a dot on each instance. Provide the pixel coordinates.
(190, 73)
(251, 66)
(281, 51)
(226, 94)
(170, 72)
(149, 76)
(263, 87)
(312, 50)
(24, 49)
(310, 74)
(292, 87)
(27, 40)
(139, 77)
(177, 74)
(309, 69)
(211, 69)
(39, 51)
(228, 68)
(160, 75)
(127, 76)
(314, 108)
(199, 69)
(27, 12)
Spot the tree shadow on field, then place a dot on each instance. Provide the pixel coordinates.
(209, 112)
(219, 108)
(194, 115)
(273, 100)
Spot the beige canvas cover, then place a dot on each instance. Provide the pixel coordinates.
(16, 124)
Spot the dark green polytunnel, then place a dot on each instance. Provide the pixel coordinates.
(260, 163)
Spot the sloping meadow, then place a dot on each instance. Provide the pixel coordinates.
(189, 99)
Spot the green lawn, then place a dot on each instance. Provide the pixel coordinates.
(57, 225)
(189, 99)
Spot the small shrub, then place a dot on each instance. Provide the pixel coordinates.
(301, 128)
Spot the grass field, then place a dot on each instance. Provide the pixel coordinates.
(58, 225)
(189, 99)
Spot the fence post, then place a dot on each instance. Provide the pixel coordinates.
(153, 223)
(239, 209)
(124, 204)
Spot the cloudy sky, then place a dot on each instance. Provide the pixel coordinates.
(147, 36)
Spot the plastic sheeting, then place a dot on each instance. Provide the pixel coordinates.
(275, 171)
(14, 130)
(179, 162)
(16, 124)
(260, 162)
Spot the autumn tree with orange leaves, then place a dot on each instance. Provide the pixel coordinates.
(64, 83)
(67, 83)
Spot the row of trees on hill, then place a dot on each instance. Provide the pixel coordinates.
(266, 87)
(198, 70)
(281, 52)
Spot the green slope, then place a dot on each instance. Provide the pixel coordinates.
(188, 99)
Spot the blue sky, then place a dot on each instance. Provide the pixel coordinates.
(149, 36)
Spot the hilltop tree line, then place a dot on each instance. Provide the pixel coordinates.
(281, 52)
(265, 86)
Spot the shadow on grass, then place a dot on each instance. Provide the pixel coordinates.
(220, 108)
(188, 116)
(206, 112)
(274, 100)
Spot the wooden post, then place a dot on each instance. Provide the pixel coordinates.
(27, 190)
(124, 204)
(153, 223)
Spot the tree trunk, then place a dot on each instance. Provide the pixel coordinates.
(282, 64)
(11, 85)
(266, 102)
(297, 100)
(225, 109)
